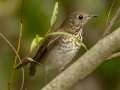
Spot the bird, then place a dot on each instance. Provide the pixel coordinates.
(58, 51)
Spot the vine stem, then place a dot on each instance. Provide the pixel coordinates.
(17, 56)
(109, 12)
(111, 23)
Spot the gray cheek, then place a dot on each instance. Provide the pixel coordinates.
(76, 22)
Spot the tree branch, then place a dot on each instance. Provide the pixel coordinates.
(87, 63)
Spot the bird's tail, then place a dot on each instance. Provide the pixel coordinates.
(32, 69)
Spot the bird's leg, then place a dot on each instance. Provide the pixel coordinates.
(25, 61)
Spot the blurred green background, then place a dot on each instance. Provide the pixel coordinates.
(36, 15)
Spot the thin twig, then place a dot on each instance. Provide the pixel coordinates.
(112, 22)
(19, 42)
(14, 50)
(114, 55)
(109, 12)
(15, 60)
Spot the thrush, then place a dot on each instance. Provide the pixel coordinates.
(56, 52)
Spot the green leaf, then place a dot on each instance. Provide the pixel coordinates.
(83, 45)
(36, 42)
(54, 14)
(60, 33)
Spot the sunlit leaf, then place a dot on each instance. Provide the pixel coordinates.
(36, 42)
(54, 14)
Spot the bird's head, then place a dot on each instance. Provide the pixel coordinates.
(77, 20)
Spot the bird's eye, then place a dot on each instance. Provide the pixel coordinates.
(80, 17)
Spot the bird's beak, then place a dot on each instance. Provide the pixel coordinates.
(93, 16)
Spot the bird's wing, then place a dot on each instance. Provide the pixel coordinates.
(44, 47)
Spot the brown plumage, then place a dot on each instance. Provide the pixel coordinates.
(61, 50)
